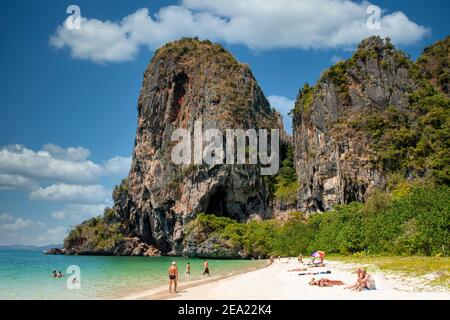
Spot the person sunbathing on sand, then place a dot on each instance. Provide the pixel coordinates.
(366, 281)
(356, 284)
(323, 282)
(297, 269)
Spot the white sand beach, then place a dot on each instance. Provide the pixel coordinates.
(275, 282)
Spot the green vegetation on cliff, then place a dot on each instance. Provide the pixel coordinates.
(100, 235)
(286, 185)
(434, 64)
(412, 220)
(414, 142)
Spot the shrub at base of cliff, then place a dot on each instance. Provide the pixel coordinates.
(413, 223)
(202, 238)
(221, 237)
(412, 220)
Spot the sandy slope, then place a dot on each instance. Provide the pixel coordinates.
(275, 282)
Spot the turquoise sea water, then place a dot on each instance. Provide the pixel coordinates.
(27, 274)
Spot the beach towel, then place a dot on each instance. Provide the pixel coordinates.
(314, 273)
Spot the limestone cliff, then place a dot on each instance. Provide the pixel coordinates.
(365, 120)
(370, 122)
(187, 81)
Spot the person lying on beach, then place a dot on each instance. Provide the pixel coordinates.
(297, 269)
(324, 282)
(173, 277)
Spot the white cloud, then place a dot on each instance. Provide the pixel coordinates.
(5, 217)
(17, 230)
(117, 166)
(258, 24)
(14, 182)
(77, 213)
(72, 193)
(22, 168)
(42, 165)
(284, 106)
(59, 215)
(77, 154)
(37, 235)
(98, 41)
(54, 235)
(18, 224)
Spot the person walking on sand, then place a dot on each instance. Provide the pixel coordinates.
(206, 268)
(188, 269)
(173, 277)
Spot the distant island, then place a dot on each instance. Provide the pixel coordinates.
(30, 247)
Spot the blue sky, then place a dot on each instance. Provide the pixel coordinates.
(68, 100)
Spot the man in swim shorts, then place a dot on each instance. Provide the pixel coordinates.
(173, 277)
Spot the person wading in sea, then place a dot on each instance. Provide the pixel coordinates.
(173, 277)
(206, 268)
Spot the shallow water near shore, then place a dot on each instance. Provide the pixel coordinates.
(27, 274)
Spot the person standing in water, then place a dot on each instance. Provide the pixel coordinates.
(188, 269)
(206, 268)
(173, 277)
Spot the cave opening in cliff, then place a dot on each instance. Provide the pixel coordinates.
(179, 91)
(180, 88)
(217, 204)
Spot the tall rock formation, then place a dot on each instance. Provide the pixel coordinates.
(370, 122)
(363, 121)
(186, 81)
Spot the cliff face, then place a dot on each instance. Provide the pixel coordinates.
(188, 81)
(365, 121)
(370, 122)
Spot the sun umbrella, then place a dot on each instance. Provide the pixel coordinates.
(318, 254)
